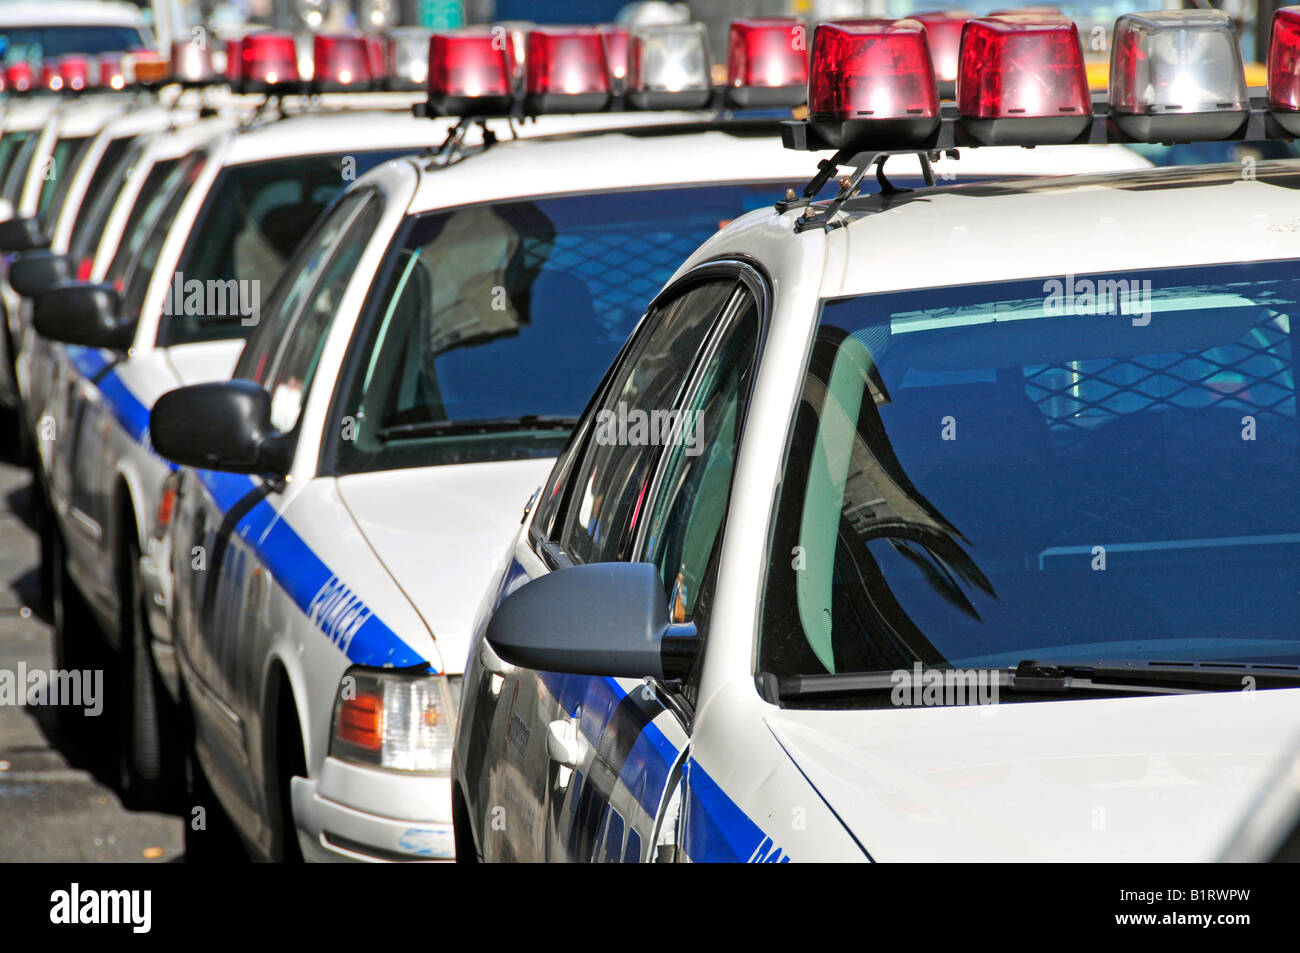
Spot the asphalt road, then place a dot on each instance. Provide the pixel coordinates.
(57, 798)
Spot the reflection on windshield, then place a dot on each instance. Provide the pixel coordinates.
(498, 322)
(978, 475)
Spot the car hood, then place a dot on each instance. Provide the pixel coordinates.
(1165, 778)
(442, 533)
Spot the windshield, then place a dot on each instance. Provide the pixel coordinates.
(33, 44)
(101, 195)
(103, 170)
(56, 174)
(497, 322)
(165, 188)
(1080, 468)
(251, 222)
(10, 145)
(13, 188)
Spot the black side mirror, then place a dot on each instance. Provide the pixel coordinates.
(33, 273)
(597, 619)
(21, 234)
(220, 426)
(84, 314)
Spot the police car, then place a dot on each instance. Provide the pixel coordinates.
(915, 525)
(193, 290)
(408, 389)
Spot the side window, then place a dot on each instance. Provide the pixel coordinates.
(297, 280)
(685, 516)
(296, 365)
(607, 491)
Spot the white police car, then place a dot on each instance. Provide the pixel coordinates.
(192, 291)
(870, 463)
(358, 480)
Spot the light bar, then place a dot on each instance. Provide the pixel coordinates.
(943, 34)
(1177, 75)
(615, 38)
(1021, 81)
(408, 58)
(566, 71)
(74, 70)
(110, 71)
(872, 84)
(767, 62)
(469, 74)
(668, 67)
(191, 62)
(268, 62)
(19, 77)
(341, 63)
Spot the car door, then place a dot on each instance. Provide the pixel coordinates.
(222, 602)
(627, 736)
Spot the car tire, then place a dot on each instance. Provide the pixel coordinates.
(148, 752)
(210, 836)
(78, 646)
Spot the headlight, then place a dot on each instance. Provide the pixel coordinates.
(395, 720)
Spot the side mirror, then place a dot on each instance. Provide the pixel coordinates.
(88, 315)
(597, 619)
(220, 426)
(21, 234)
(33, 273)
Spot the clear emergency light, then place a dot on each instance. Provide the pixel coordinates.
(566, 71)
(872, 84)
(469, 74)
(1177, 75)
(408, 58)
(191, 62)
(767, 62)
(668, 67)
(1021, 80)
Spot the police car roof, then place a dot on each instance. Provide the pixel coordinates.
(692, 152)
(1003, 231)
(85, 117)
(314, 133)
(69, 13)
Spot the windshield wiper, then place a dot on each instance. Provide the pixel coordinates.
(1136, 677)
(1170, 676)
(480, 425)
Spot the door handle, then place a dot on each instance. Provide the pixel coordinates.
(493, 662)
(562, 748)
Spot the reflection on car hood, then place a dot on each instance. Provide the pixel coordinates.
(442, 532)
(1163, 778)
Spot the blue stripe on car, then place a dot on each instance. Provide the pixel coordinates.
(291, 562)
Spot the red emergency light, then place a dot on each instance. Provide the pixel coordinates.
(767, 62)
(341, 63)
(943, 33)
(75, 72)
(469, 74)
(872, 84)
(19, 77)
(268, 63)
(1021, 80)
(565, 71)
(111, 74)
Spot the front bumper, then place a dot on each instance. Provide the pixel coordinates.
(354, 813)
